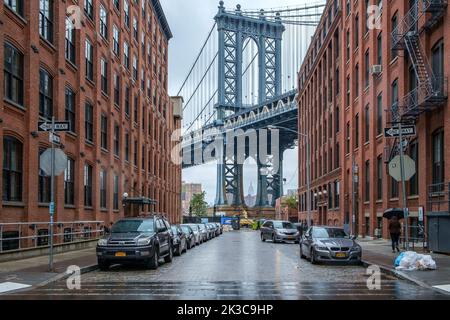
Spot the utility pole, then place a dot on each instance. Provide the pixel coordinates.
(402, 174)
(354, 190)
(308, 179)
(52, 195)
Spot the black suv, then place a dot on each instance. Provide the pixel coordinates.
(134, 240)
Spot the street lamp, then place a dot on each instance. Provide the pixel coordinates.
(308, 165)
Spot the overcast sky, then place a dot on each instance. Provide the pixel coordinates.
(190, 22)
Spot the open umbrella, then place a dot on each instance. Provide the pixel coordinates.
(389, 213)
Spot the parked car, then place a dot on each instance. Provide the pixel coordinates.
(277, 230)
(212, 230)
(132, 240)
(197, 232)
(179, 242)
(220, 227)
(204, 232)
(323, 243)
(189, 234)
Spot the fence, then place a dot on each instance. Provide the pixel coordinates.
(25, 235)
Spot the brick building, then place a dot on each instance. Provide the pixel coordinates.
(106, 73)
(357, 80)
(187, 192)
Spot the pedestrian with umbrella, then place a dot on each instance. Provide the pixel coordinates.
(394, 226)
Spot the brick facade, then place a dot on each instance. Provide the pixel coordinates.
(339, 110)
(149, 126)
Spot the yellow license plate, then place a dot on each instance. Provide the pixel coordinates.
(121, 254)
(340, 255)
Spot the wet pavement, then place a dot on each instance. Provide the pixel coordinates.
(237, 265)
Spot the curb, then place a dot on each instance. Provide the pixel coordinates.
(403, 276)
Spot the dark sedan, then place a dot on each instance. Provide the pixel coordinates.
(179, 242)
(190, 236)
(321, 244)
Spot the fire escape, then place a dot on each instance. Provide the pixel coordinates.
(430, 91)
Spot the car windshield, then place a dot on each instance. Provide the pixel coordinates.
(283, 225)
(185, 229)
(329, 233)
(174, 229)
(194, 227)
(125, 226)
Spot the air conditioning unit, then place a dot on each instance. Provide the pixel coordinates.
(376, 69)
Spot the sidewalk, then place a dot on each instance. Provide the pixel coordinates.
(33, 272)
(379, 252)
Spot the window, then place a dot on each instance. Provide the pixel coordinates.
(380, 49)
(103, 22)
(135, 68)
(379, 113)
(126, 55)
(337, 151)
(116, 37)
(89, 57)
(103, 182)
(348, 91)
(126, 10)
(347, 7)
(437, 62)
(12, 169)
(379, 177)
(347, 146)
(70, 41)
(89, 9)
(357, 80)
(367, 181)
(348, 45)
(136, 109)
(89, 122)
(46, 19)
(337, 82)
(336, 120)
(357, 130)
(116, 90)
(127, 147)
(116, 139)
(116, 193)
(367, 123)
(414, 181)
(15, 5)
(394, 188)
(127, 101)
(135, 154)
(13, 74)
(45, 94)
(104, 132)
(438, 156)
(394, 22)
(117, 4)
(367, 68)
(69, 182)
(394, 94)
(135, 29)
(356, 34)
(104, 75)
(87, 185)
(44, 187)
(70, 108)
(366, 7)
(336, 194)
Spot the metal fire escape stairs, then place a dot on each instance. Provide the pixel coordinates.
(430, 91)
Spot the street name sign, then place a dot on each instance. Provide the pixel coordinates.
(395, 170)
(395, 131)
(59, 126)
(54, 138)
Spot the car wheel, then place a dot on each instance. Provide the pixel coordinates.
(169, 257)
(273, 239)
(103, 265)
(302, 256)
(153, 262)
(262, 238)
(313, 257)
(178, 250)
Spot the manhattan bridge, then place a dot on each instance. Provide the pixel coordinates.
(243, 82)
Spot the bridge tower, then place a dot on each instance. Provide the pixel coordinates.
(233, 29)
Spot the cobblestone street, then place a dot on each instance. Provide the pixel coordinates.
(237, 265)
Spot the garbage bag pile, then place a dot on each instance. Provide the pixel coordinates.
(411, 260)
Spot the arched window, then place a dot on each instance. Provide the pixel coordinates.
(12, 169)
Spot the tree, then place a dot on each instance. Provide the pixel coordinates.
(199, 205)
(291, 202)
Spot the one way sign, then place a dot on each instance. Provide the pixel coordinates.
(59, 126)
(395, 132)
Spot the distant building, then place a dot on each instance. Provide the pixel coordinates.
(292, 192)
(283, 212)
(250, 198)
(187, 192)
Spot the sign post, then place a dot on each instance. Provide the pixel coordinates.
(402, 173)
(52, 195)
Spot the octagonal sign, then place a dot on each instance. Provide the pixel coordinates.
(394, 168)
(45, 162)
